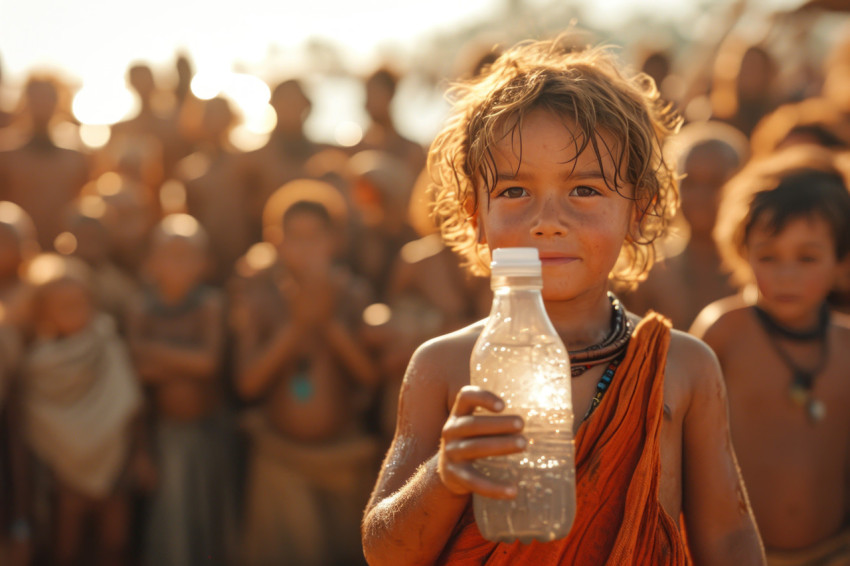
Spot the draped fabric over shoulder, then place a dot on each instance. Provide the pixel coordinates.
(619, 519)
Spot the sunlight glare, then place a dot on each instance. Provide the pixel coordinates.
(246, 140)
(65, 243)
(260, 119)
(101, 104)
(95, 136)
(109, 184)
(377, 314)
(92, 206)
(208, 84)
(172, 196)
(348, 133)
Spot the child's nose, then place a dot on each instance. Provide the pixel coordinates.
(548, 222)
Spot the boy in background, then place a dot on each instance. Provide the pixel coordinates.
(300, 360)
(80, 402)
(785, 226)
(176, 331)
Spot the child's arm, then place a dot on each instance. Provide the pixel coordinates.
(346, 344)
(259, 357)
(201, 361)
(351, 353)
(427, 477)
(158, 361)
(720, 524)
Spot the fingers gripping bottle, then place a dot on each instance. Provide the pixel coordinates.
(520, 357)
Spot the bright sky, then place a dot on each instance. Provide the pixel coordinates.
(93, 41)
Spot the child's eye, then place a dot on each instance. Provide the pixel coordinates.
(513, 192)
(584, 191)
(808, 259)
(766, 258)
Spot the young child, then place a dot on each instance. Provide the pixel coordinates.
(382, 134)
(299, 357)
(215, 194)
(40, 176)
(90, 223)
(681, 285)
(80, 398)
(785, 225)
(176, 331)
(560, 151)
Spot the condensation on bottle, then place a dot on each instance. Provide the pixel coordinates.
(520, 357)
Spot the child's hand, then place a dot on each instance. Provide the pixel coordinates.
(467, 437)
(314, 302)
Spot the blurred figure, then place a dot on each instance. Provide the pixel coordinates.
(744, 84)
(382, 134)
(80, 399)
(17, 246)
(176, 332)
(680, 286)
(428, 293)
(297, 318)
(39, 176)
(90, 224)
(132, 216)
(284, 156)
(785, 225)
(182, 88)
(215, 193)
(151, 121)
(380, 189)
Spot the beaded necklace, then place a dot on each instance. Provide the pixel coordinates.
(802, 380)
(604, 383)
(610, 348)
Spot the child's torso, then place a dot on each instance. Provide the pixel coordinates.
(190, 397)
(794, 466)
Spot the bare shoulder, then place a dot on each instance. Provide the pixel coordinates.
(689, 355)
(716, 322)
(693, 372)
(443, 362)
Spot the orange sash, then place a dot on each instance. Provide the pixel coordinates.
(619, 520)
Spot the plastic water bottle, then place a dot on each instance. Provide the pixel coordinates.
(521, 358)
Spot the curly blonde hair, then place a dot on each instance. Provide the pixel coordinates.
(587, 87)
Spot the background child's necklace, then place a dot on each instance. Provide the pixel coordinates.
(802, 380)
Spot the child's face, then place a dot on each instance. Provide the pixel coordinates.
(65, 309)
(705, 173)
(559, 203)
(795, 269)
(308, 244)
(177, 265)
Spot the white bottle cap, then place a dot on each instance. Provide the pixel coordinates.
(512, 262)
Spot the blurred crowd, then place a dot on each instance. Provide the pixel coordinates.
(201, 348)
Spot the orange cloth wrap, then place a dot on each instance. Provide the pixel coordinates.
(619, 520)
